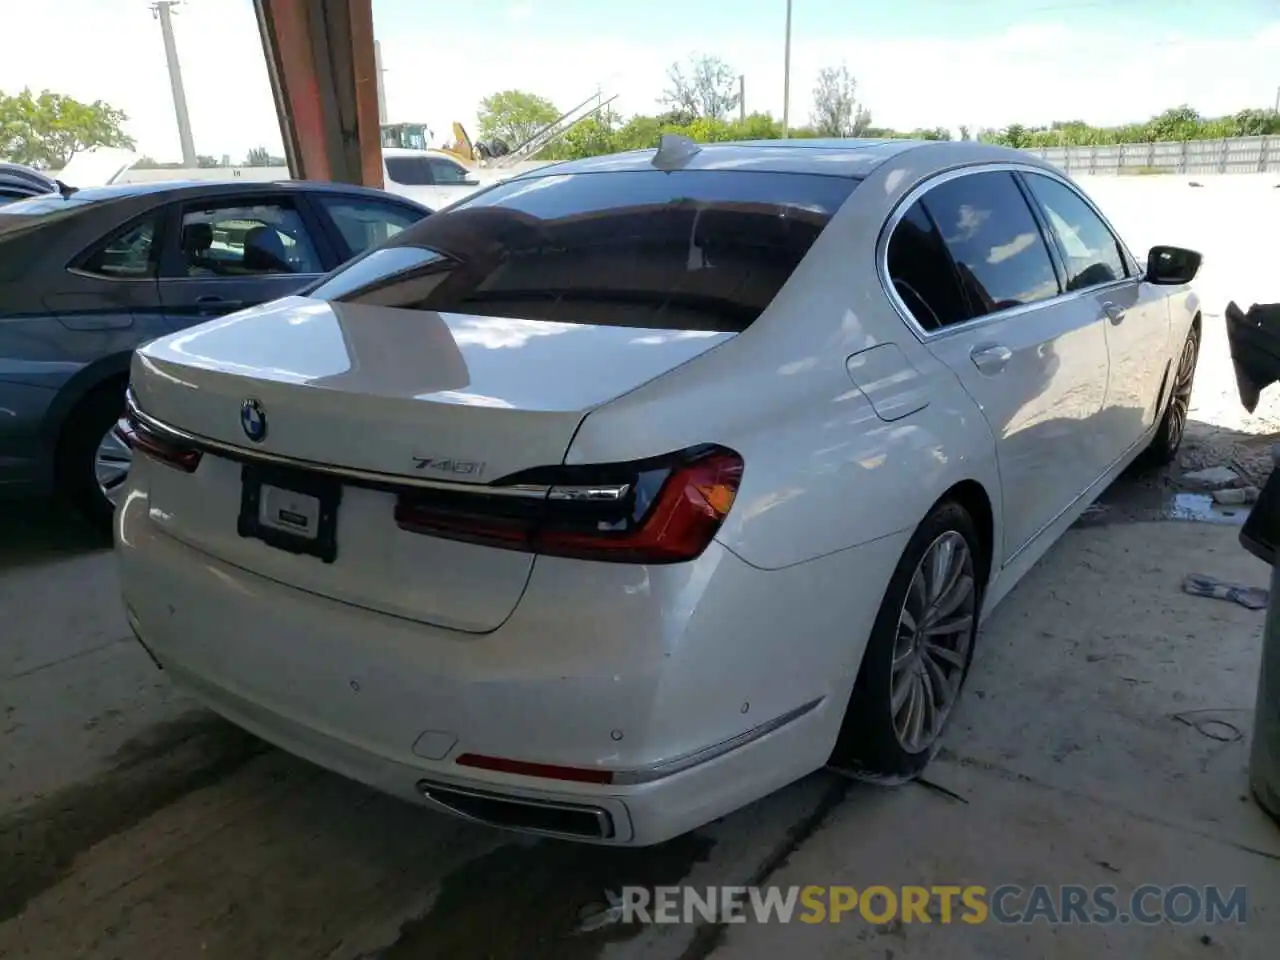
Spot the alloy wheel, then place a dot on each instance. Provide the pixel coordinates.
(111, 464)
(931, 649)
(1180, 401)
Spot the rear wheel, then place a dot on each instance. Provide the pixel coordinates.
(93, 463)
(919, 651)
(1168, 438)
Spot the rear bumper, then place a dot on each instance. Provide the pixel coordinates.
(700, 699)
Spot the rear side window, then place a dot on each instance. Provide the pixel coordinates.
(131, 255)
(922, 273)
(680, 250)
(1000, 255)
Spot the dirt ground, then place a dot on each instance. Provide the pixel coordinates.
(1102, 739)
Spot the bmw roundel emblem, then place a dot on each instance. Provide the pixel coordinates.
(254, 420)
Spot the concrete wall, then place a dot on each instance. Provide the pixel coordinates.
(1234, 155)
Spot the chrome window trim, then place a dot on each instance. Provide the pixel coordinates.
(1004, 166)
(90, 275)
(300, 277)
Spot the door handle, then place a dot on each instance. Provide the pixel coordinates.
(1113, 313)
(990, 359)
(209, 304)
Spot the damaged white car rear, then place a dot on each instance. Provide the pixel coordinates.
(628, 491)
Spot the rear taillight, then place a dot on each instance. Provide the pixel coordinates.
(662, 510)
(142, 439)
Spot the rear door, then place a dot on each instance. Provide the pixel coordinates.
(237, 252)
(1035, 362)
(1135, 315)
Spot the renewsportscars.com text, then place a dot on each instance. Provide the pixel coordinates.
(1005, 904)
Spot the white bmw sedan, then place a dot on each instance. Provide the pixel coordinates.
(629, 490)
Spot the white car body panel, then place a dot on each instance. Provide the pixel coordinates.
(701, 685)
(434, 196)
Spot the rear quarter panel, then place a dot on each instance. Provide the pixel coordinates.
(823, 472)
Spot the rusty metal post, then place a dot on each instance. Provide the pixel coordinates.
(323, 71)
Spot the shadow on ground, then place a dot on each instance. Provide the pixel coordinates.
(38, 531)
(1145, 492)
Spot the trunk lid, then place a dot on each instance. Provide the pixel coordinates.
(403, 394)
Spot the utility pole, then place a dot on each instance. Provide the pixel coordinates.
(742, 97)
(786, 79)
(382, 93)
(1277, 110)
(163, 11)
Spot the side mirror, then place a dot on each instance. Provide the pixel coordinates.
(1172, 265)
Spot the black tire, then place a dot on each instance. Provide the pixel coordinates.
(77, 479)
(868, 744)
(1173, 425)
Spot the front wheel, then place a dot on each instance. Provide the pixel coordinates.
(1173, 426)
(918, 653)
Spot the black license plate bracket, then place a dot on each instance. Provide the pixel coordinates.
(291, 510)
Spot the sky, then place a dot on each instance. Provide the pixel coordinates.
(919, 63)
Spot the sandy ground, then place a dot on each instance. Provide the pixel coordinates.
(1102, 739)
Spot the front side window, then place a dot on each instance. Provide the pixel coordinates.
(1092, 252)
(1000, 255)
(238, 240)
(130, 255)
(678, 250)
(922, 273)
(364, 223)
(446, 171)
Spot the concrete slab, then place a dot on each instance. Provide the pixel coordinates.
(1098, 742)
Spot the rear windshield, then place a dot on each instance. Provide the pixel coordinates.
(686, 250)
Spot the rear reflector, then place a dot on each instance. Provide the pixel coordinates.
(142, 439)
(661, 510)
(547, 771)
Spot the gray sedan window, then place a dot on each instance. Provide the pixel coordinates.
(126, 256)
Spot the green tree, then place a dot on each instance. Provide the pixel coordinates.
(514, 116)
(705, 87)
(48, 129)
(836, 110)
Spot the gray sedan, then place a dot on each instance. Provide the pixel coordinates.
(87, 276)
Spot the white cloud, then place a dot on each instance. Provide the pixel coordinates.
(1011, 249)
(438, 69)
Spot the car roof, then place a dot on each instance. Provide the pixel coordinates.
(178, 189)
(854, 158)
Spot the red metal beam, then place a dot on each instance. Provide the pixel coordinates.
(321, 63)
